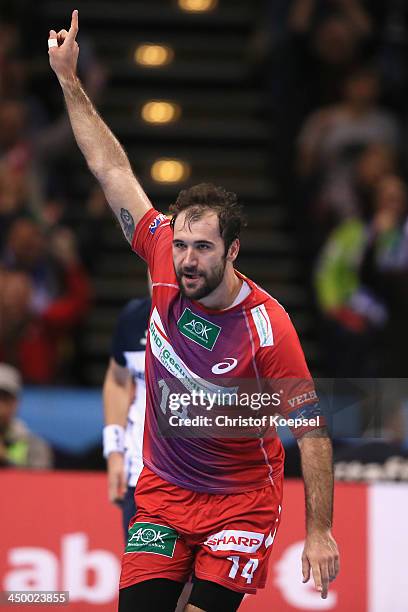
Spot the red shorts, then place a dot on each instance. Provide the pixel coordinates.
(226, 539)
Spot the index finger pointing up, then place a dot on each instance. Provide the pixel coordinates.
(73, 30)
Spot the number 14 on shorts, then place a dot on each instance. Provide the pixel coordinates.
(247, 571)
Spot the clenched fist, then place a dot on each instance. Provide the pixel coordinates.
(64, 50)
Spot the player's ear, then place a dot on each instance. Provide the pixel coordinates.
(233, 250)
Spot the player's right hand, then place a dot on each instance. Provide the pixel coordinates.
(117, 486)
(64, 57)
(321, 557)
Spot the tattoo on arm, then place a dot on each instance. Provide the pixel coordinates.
(128, 224)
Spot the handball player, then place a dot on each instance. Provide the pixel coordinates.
(207, 506)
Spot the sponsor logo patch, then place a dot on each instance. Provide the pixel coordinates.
(156, 222)
(168, 357)
(151, 538)
(263, 325)
(198, 330)
(299, 400)
(234, 539)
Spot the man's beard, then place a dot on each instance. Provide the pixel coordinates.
(209, 281)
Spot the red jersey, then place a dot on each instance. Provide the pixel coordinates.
(193, 345)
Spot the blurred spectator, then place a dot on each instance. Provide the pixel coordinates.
(362, 287)
(384, 270)
(350, 188)
(12, 68)
(332, 136)
(88, 234)
(336, 77)
(313, 46)
(352, 315)
(18, 446)
(45, 296)
(304, 12)
(19, 185)
(13, 198)
(30, 143)
(13, 134)
(44, 289)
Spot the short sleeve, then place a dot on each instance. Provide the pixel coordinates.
(283, 368)
(153, 229)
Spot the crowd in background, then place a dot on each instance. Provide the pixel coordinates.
(336, 82)
(338, 90)
(45, 286)
(336, 77)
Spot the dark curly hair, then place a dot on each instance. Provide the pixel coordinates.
(199, 199)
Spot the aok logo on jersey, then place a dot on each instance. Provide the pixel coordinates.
(151, 538)
(167, 356)
(198, 330)
(234, 539)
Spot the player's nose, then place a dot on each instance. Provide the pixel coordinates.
(190, 257)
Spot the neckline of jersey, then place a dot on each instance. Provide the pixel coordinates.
(226, 311)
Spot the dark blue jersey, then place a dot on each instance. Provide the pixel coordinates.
(131, 329)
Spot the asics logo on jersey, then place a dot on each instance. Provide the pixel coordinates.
(199, 330)
(225, 366)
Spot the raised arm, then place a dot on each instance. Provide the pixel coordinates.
(104, 154)
(320, 553)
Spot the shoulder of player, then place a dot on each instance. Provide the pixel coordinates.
(152, 226)
(271, 321)
(266, 302)
(158, 225)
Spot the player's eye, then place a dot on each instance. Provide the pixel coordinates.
(179, 245)
(203, 247)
